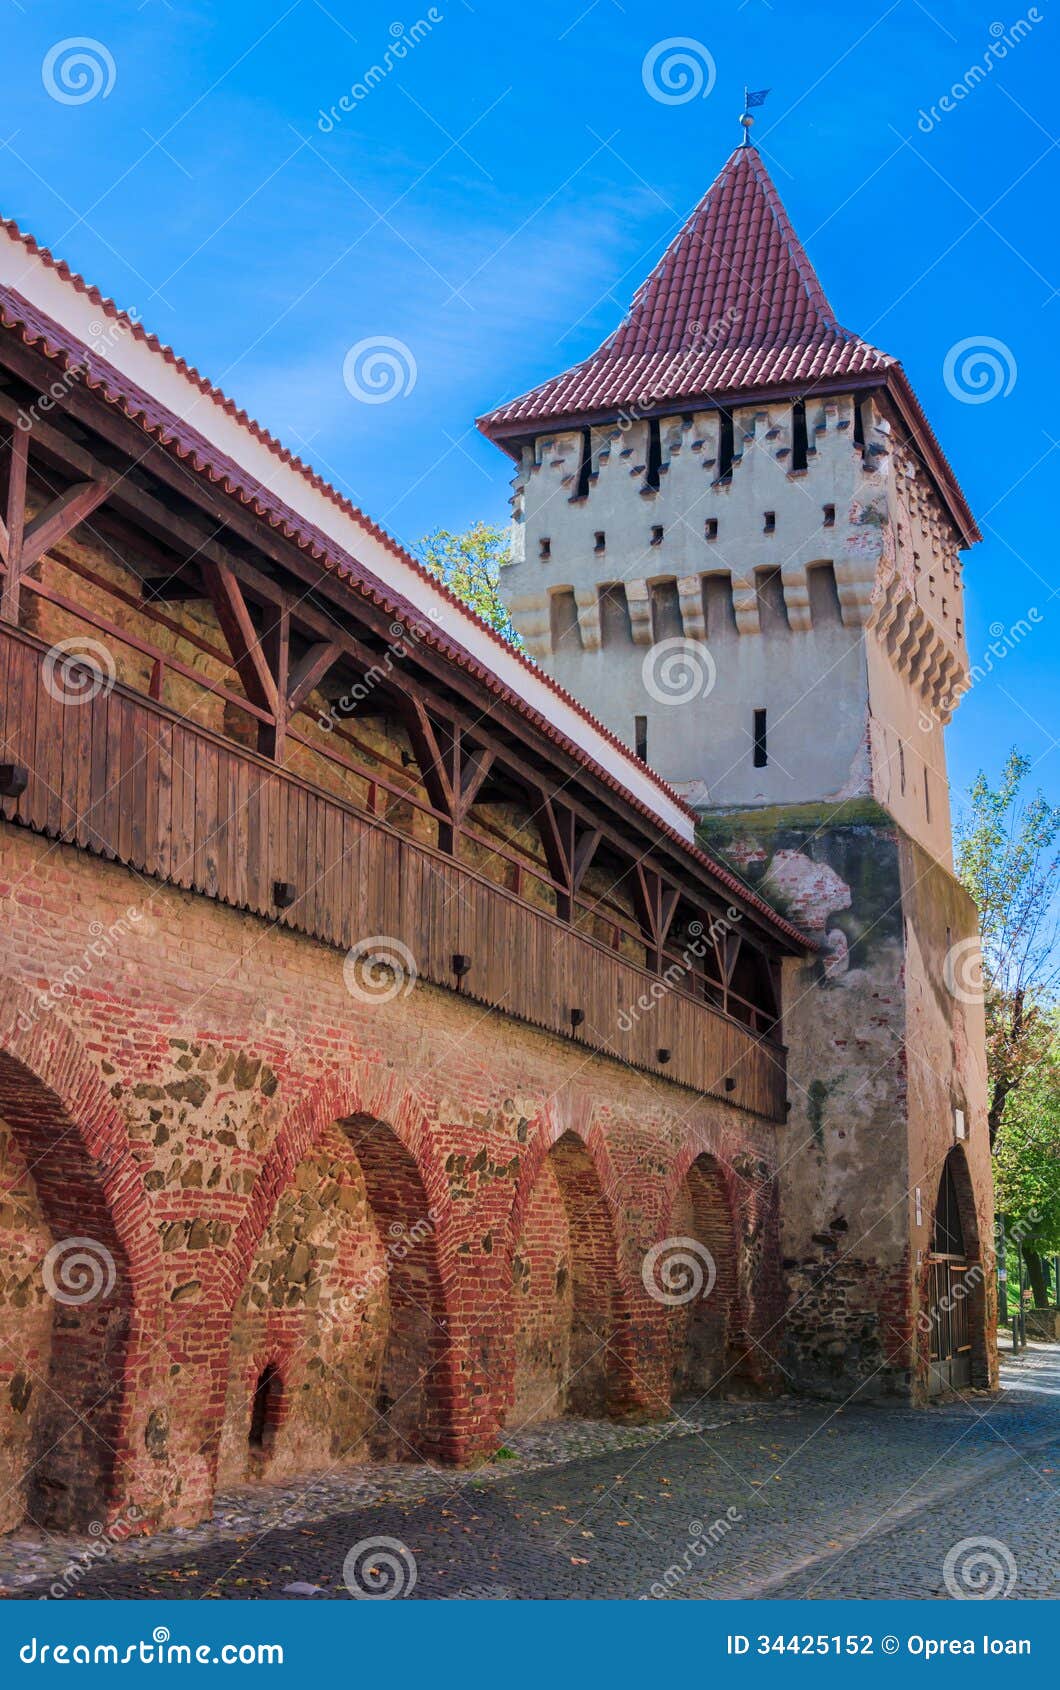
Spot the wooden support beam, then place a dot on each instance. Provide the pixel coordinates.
(59, 518)
(433, 746)
(474, 767)
(453, 769)
(307, 674)
(14, 520)
(655, 902)
(276, 650)
(23, 544)
(568, 851)
(248, 656)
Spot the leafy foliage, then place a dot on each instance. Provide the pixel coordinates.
(1007, 856)
(469, 564)
(1027, 1161)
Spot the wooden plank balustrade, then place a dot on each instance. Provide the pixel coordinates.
(123, 776)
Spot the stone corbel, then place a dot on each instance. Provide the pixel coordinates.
(907, 647)
(897, 625)
(532, 616)
(745, 606)
(587, 600)
(886, 608)
(855, 579)
(638, 601)
(951, 684)
(797, 599)
(690, 600)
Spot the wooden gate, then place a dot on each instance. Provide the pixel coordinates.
(949, 1291)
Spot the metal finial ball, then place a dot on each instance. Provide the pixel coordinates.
(747, 120)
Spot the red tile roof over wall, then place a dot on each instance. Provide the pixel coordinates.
(733, 308)
(39, 330)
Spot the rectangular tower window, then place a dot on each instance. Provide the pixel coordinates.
(829, 516)
(770, 524)
(859, 421)
(726, 446)
(585, 468)
(640, 737)
(657, 534)
(652, 473)
(799, 440)
(710, 528)
(760, 756)
(599, 541)
(901, 766)
(546, 548)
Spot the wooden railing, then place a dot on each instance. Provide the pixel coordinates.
(121, 774)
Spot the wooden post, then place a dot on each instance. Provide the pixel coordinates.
(13, 523)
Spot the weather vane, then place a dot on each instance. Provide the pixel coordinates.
(750, 101)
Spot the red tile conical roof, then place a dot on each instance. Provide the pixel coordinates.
(733, 304)
(733, 309)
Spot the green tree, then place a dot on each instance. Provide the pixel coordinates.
(470, 564)
(1027, 1163)
(1006, 855)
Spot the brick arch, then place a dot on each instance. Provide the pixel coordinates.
(555, 1123)
(704, 1331)
(956, 1162)
(74, 1153)
(570, 1328)
(384, 1126)
(357, 1092)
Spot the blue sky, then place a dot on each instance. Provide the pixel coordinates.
(494, 201)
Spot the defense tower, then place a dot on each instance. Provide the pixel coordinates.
(736, 539)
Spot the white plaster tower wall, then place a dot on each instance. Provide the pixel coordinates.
(827, 596)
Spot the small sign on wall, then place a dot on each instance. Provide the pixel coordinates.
(919, 1207)
(959, 1129)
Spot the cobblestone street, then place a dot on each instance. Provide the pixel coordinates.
(802, 1500)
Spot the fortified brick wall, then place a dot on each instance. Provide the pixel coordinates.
(311, 1226)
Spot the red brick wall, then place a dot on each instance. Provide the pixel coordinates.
(281, 1173)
